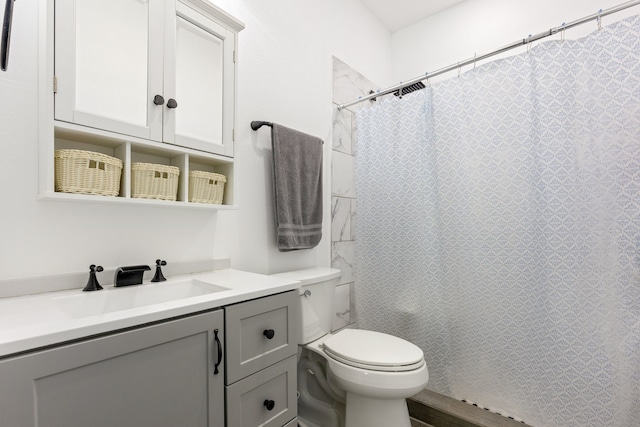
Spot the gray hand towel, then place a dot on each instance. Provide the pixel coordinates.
(297, 188)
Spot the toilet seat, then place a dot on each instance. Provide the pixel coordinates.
(373, 351)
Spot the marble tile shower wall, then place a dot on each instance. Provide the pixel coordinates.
(348, 84)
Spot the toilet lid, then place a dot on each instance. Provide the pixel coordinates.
(373, 350)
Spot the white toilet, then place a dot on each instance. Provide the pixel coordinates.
(353, 378)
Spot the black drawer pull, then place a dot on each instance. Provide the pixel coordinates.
(171, 103)
(269, 333)
(219, 344)
(269, 404)
(158, 100)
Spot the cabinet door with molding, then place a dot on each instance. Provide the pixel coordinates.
(109, 65)
(165, 374)
(199, 80)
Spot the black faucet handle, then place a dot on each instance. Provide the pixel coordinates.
(159, 277)
(93, 268)
(92, 283)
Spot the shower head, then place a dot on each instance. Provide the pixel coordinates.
(409, 89)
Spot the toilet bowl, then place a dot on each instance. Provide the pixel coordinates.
(357, 378)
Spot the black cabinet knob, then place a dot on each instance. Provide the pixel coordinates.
(269, 333)
(269, 404)
(172, 103)
(158, 100)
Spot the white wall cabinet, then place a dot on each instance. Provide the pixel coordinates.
(159, 375)
(161, 70)
(142, 81)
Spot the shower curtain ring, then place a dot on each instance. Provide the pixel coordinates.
(475, 56)
(562, 32)
(599, 19)
(459, 69)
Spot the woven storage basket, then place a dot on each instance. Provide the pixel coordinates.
(206, 187)
(87, 172)
(151, 181)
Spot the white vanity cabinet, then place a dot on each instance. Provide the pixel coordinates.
(261, 350)
(158, 375)
(161, 70)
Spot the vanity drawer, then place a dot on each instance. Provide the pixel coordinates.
(260, 333)
(249, 400)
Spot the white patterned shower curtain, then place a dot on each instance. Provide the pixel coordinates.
(498, 228)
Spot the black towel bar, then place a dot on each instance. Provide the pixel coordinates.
(255, 125)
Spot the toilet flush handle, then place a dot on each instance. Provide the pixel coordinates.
(306, 293)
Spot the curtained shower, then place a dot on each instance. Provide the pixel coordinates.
(498, 229)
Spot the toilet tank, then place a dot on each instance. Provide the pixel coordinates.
(316, 300)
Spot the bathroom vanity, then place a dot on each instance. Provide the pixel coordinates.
(189, 357)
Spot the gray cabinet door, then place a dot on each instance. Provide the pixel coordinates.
(157, 375)
(260, 333)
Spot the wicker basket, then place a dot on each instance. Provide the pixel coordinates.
(151, 181)
(87, 172)
(206, 187)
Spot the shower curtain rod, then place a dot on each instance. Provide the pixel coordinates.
(565, 26)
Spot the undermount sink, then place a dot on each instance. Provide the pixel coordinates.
(118, 299)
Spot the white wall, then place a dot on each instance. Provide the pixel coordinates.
(481, 26)
(285, 75)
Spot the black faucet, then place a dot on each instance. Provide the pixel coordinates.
(92, 283)
(131, 275)
(159, 277)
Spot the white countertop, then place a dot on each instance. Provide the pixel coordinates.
(34, 321)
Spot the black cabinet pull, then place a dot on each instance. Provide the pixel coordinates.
(269, 404)
(172, 103)
(269, 333)
(158, 100)
(215, 337)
